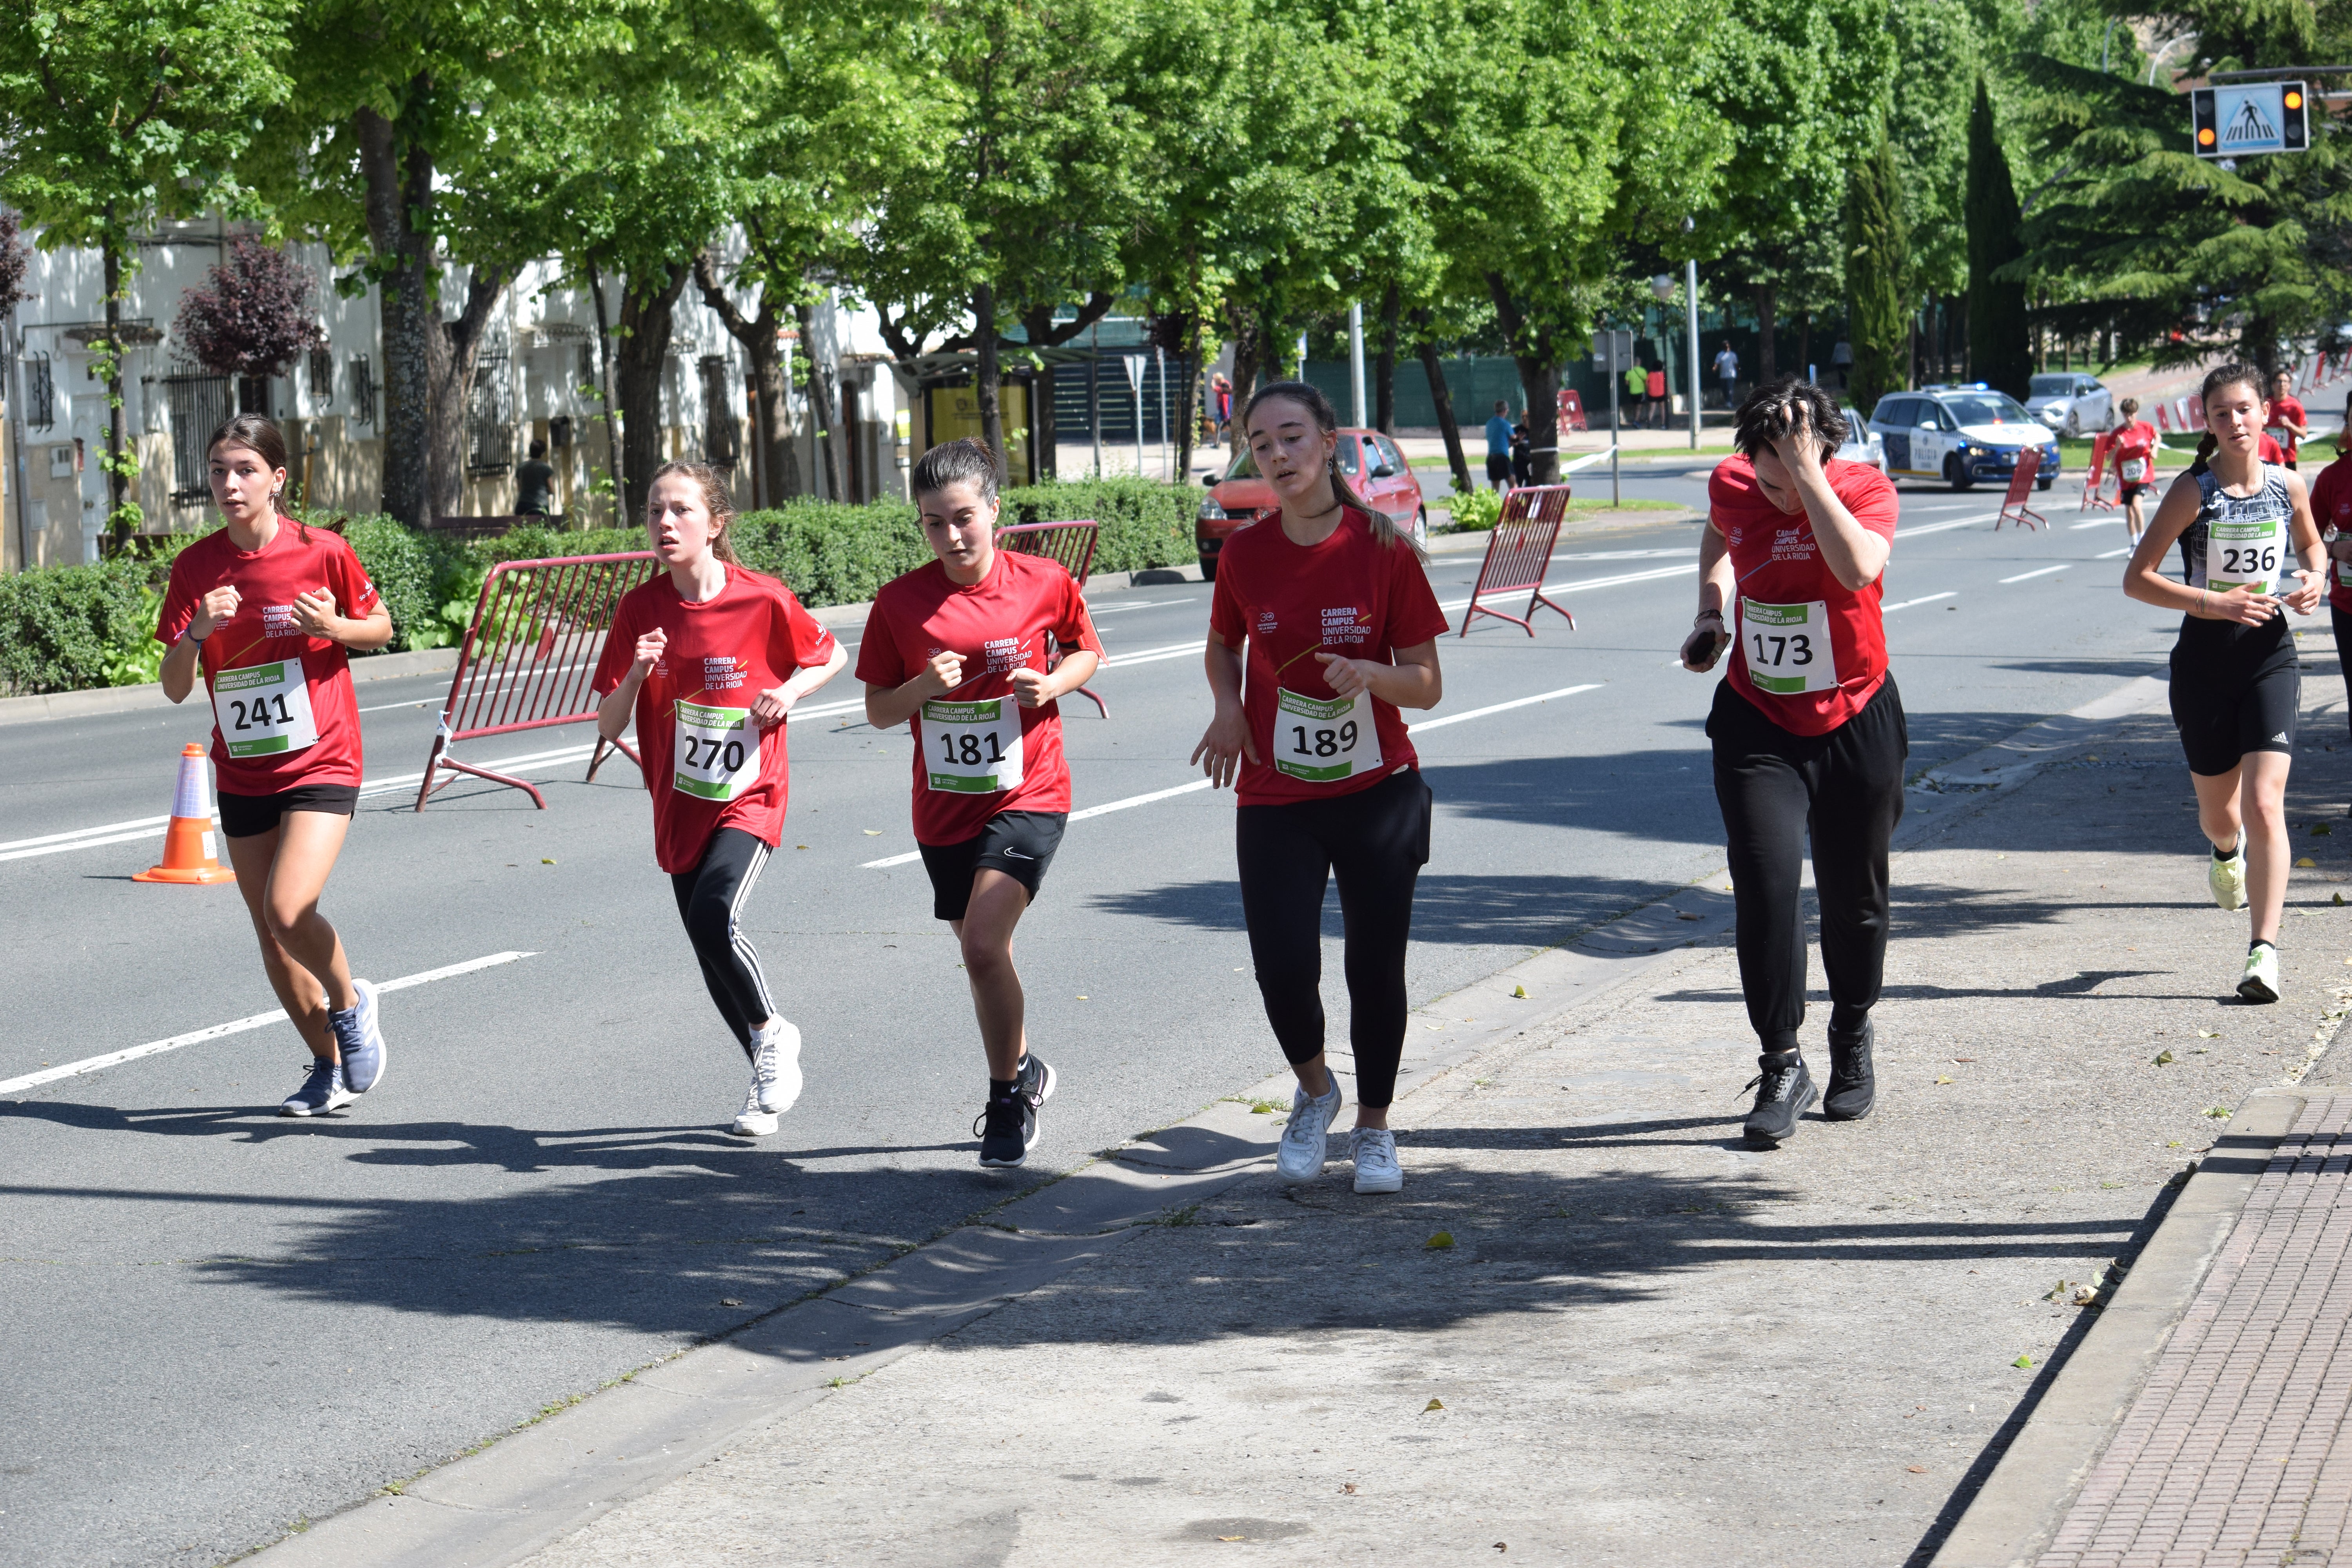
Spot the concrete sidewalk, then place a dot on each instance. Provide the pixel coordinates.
(1596, 1328)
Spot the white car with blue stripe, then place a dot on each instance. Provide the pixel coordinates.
(1960, 435)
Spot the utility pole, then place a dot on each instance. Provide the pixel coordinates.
(1356, 362)
(1167, 457)
(1094, 393)
(1616, 434)
(1690, 303)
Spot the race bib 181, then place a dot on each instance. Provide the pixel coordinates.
(717, 752)
(1323, 740)
(264, 710)
(1788, 647)
(973, 748)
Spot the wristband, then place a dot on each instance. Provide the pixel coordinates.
(190, 634)
(1715, 615)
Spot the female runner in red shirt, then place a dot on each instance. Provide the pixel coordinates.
(1809, 733)
(268, 610)
(959, 651)
(1328, 783)
(710, 657)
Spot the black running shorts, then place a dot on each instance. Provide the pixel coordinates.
(1498, 467)
(2221, 725)
(1021, 844)
(248, 815)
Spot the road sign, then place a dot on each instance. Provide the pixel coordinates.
(1600, 339)
(2253, 117)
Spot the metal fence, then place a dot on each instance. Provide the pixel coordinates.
(489, 417)
(199, 404)
(40, 393)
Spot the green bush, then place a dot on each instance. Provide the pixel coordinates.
(1475, 510)
(65, 628)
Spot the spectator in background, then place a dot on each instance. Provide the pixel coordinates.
(1220, 401)
(1726, 371)
(1498, 446)
(2290, 423)
(1841, 362)
(535, 483)
(1523, 454)
(1637, 393)
(1657, 390)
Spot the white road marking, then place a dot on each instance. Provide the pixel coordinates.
(1154, 604)
(2094, 522)
(2037, 572)
(1931, 598)
(235, 1026)
(1158, 794)
(388, 707)
(2111, 554)
(1903, 533)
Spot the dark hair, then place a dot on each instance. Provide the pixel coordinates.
(1770, 412)
(1326, 419)
(716, 498)
(539, 448)
(2233, 374)
(966, 460)
(1501, 406)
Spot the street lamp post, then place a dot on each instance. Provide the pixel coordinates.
(1356, 362)
(1690, 303)
(1663, 286)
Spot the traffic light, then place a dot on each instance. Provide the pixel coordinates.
(2201, 119)
(2295, 132)
(2240, 121)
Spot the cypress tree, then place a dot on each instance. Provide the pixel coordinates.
(2000, 346)
(1877, 258)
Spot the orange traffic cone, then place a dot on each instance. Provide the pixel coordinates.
(189, 853)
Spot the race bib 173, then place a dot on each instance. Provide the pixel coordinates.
(1788, 647)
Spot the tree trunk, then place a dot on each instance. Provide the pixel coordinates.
(1187, 415)
(405, 257)
(118, 519)
(647, 313)
(1805, 341)
(778, 453)
(611, 407)
(1246, 364)
(1442, 395)
(1384, 375)
(1531, 351)
(988, 376)
(820, 385)
(452, 350)
(1767, 299)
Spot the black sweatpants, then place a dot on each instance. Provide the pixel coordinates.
(2342, 623)
(710, 900)
(1844, 789)
(1375, 841)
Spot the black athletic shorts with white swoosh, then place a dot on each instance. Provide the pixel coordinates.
(1021, 844)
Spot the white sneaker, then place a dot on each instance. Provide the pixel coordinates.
(2228, 877)
(1376, 1170)
(2262, 979)
(1299, 1158)
(752, 1121)
(776, 1068)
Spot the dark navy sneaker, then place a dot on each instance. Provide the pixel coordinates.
(1853, 1086)
(361, 1041)
(321, 1091)
(1783, 1090)
(1007, 1125)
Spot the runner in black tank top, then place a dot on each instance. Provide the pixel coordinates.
(2246, 533)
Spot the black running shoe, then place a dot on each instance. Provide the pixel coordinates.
(1007, 1125)
(1853, 1086)
(1783, 1089)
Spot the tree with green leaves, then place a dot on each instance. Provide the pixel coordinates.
(117, 113)
(2000, 346)
(1877, 272)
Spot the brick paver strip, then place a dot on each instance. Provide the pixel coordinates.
(2231, 1456)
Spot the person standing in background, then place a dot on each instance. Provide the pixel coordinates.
(1655, 385)
(1498, 446)
(534, 483)
(1726, 371)
(1841, 362)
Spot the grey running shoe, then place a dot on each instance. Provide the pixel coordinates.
(1299, 1157)
(321, 1091)
(363, 1057)
(1376, 1170)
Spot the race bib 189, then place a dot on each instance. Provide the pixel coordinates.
(2243, 555)
(264, 710)
(973, 748)
(717, 752)
(1323, 740)
(1788, 647)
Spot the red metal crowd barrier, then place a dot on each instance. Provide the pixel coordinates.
(1072, 545)
(1519, 553)
(530, 656)
(1570, 411)
(2094, 483)
(2014, 510)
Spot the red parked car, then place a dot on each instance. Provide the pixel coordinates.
(1370, 462)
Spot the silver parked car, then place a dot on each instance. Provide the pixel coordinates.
(2071, 404)
(1863, 445)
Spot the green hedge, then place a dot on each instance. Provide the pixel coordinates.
(70, 627)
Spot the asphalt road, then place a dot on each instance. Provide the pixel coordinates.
(222, 1322)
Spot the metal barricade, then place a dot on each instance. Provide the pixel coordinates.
(2096, 494)
(1519, 553)
(1072, 545)
(530, 658)
(2021, 480)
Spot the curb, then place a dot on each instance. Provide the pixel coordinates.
(2064, 1431)
(108, 700)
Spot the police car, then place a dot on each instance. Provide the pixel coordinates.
(1960, 435)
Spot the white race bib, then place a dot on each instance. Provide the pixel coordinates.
(2245, 554)
(2343, 573)
(1788, 647)
(1324, 739)
(2133, 470)
(264, 710)
(973, 748)
(717, 752)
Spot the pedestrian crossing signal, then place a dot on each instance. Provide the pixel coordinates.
(2254, 116)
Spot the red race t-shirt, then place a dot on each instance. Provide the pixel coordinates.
(979, 753)
(707, 763)
(1788, 600)
(2331, 507)
(2135, 442)
(1349, 594)
(284, 713)
(2283, 410)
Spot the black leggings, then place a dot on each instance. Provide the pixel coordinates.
(2341, 621)
(1846, 789)
(710, 900)
(1375, 841)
